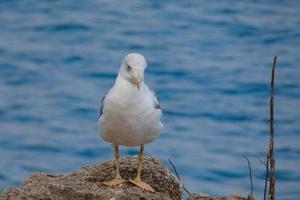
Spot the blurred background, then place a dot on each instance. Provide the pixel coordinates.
(208, 61)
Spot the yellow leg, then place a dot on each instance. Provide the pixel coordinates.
(137, 181)
(118, 179)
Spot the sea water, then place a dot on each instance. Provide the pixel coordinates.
(208, 61)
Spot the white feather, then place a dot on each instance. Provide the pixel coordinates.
(129, 116)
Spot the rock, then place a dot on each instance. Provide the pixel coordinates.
(85, 183)
(205, 197)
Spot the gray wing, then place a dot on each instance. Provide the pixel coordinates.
(156, 104)
(102, 104)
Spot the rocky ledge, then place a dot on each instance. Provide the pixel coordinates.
(85, 184)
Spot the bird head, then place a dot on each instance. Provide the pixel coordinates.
(133, 68)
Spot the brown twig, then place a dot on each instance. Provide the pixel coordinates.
(250, 177)
(176, 173)
(271, 144)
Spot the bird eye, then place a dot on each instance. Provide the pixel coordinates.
(128, 68)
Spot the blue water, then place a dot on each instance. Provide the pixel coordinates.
(209, 62)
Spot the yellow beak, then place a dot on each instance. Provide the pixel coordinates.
(137, 82)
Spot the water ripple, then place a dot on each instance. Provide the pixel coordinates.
(213, 116)
(209, 63)
(66, 27)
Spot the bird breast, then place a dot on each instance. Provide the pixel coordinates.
(130, 110)
(130, 121)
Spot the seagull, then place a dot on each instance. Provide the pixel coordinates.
(130, 115)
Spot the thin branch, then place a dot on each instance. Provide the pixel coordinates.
(266, 165)
(176, 173)
(261, 161)
(174, 169)
(266, 178)
(250, 176)
(271, 144)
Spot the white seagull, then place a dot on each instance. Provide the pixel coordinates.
(130, 115)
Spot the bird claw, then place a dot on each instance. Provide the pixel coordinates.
(141, 184)
(115, 181)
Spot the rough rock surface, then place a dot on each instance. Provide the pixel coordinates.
(85, 183)
(203, 197)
